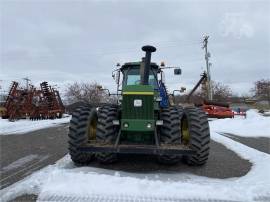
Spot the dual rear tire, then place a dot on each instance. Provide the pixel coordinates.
(170, 134)
(81, 130)
(107, 132)
(188, 126)
(196, 134)
(89, 125)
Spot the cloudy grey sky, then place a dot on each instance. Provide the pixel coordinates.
(64, 41)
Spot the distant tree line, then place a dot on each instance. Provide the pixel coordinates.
(261, 90)
(92, 93)
(223, 93)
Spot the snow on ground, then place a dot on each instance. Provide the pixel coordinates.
(25, 125)
(65, 180)
(20, 162)
(254, 125)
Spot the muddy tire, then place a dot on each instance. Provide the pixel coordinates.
(199, 135)
(79, 134)
(107, 132)
(170, 134)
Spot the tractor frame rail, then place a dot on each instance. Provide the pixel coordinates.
(137, 149)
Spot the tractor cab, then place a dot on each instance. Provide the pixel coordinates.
(132, 74)
(144, 76)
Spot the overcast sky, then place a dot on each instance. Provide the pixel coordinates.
(66, 41)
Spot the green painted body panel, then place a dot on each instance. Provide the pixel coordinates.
(138, 88)
(137, 137)
(137, 118)
(146, 111)
(138, 125)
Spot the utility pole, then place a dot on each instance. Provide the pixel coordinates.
(207, 56)
(27, 81)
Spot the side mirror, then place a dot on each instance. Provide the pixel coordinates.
(177, 71)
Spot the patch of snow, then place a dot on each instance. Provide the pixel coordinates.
(24, 125)
(27, 168)
(20, 162)
(65, 179)
(254, 125)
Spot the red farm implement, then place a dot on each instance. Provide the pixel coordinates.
(217, 110)
(44, 103)
(211, 108)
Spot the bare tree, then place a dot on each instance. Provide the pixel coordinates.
(262, 90)
(90, 93)
(221, 92)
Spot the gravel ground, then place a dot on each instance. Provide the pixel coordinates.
(260, 143)
(26, 198)
(23, 154)
(222, 163)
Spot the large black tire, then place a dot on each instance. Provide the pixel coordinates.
(170, 134)
(199, 135)
(180, 112)
(107, 132)
(79, 134)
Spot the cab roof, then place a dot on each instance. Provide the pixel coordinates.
(129, 64)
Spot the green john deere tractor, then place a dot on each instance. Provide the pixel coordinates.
(143, 121)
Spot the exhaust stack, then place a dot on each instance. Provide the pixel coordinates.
(146, 64)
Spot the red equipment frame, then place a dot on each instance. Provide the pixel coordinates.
(35, 104)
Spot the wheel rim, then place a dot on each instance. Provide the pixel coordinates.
(92, 128)
(185, 131)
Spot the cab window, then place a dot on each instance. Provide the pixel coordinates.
(132, 77)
